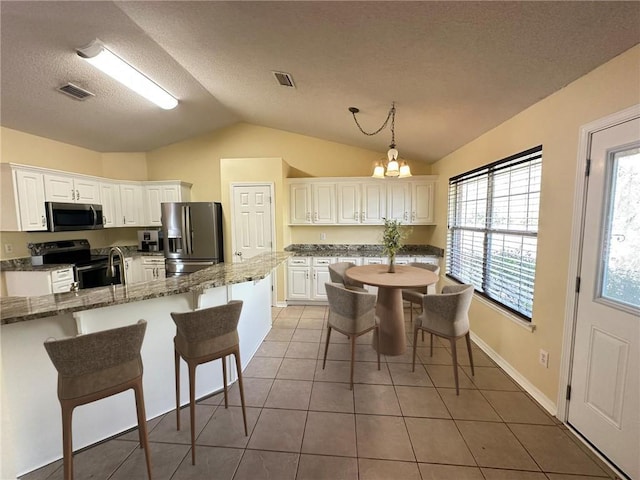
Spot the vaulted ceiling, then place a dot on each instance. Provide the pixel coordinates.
(454, 69)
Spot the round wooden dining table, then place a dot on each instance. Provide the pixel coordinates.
(389, 309)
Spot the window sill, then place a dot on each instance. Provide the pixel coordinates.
(530, 326)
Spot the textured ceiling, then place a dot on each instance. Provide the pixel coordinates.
(455, 69)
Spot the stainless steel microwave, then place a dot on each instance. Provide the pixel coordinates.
(65, 217)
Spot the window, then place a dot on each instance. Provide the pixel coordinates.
(493, 229)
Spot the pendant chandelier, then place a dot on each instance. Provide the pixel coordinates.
(393, 168)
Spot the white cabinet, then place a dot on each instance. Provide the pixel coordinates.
(21, 199)
(133, 269)
(422, 198)
(111, 206)
(71, 189)
(312, 203)
(157, 192)
(399, 201)
(361, 203)
(152, 268)
(34, 283)
(320, 276)
(307, 277)
(131, 204)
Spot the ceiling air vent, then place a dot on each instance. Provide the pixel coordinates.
(284, 79)
(75, 91)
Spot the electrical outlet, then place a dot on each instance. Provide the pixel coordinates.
(8, 248)
(543, 358)
(323, 236)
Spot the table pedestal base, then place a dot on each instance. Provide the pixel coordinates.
(389, 310)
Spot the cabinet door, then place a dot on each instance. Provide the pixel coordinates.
(131, 198)
(59, 188)
(110, 199)
(299, 283)
(348, 203)
(300, 203)
(86, 191)
(399, 201)
(374, 203)
(171, 193)
(422, 196)
(30, 190)
(320, 277)
(153, 198)
(324, 203)
(148, 273)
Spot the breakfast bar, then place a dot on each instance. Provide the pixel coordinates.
(31, 429)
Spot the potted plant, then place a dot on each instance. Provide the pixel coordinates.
(392, 238)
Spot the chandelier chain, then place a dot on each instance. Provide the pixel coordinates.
(391, 115)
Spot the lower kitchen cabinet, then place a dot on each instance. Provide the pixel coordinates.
(152, 268)
(306, 278)
(34, 283)
(133, 269)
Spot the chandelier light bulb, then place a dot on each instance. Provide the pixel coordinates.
(393, 169)
(405, 171)
(378, 171)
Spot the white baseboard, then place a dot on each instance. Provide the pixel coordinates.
(281, 304)
(531, 389)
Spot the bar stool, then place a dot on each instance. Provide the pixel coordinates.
(201, 337)
(95, 366)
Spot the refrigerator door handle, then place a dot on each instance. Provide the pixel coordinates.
(187, 234)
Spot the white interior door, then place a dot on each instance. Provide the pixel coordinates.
(605, 380)
(252, 220)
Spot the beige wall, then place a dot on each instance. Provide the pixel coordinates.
(553, 122)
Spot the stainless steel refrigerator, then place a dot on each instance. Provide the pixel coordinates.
(192, 236)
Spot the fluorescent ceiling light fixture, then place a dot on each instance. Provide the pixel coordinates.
(104, 59)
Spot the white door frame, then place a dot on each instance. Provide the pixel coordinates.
(271, 185)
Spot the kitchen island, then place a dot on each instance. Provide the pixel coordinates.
(31, 419)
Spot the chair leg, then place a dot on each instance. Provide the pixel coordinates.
(468, 337)
(377, 333)
(422, 336)
(326, 347)
(67, 442)
(177, 367)
(430, 343)
(142, 424)
(236, 354)
(454, 354)
(353, 357)
(192, 410)
(224, 381)
(415, 340)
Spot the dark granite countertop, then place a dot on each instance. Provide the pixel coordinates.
(363, 250)
(19, 309)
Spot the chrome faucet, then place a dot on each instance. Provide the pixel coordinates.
(111, 267)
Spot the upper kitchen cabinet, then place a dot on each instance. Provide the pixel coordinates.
(312, 203)
(111, 204)
(422, 199)
(71, 189)
(399, 201)
(156, 193)
(22, 196)
(361, 203)
(131, 195)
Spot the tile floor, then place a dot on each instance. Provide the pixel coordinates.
(305, 423)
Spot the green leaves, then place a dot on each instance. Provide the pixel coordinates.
(392, 236)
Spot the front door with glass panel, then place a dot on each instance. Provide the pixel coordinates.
(605, 380)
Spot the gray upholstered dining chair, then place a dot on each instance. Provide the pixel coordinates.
(352, 313)
(414, 295)
(95, 366)
(446, 315)
(201, 337)
(337, 274)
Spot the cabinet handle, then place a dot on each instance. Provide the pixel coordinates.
(124, 220)
(307, 275)
(413, 217)
(315, 215)
(308, 216)
(406, 216)
(73, 194)
(355, 216)
(363, 215)
(43, 221)
(77, 195)
(104, 220)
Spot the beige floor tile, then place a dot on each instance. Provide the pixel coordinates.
(292, 311)
(256, 391)
(495, 474)
(292, 394)
(441, 356)
(406, 357)
(279, 430)
(387, 470)
(312, 311)
(554, 451)
(302, 350)
(45, 472)
(286, 322)
(491, 378)
(329, 433)
(151, 424)
(376, 399)
(421, 402)
(564, 476)
(446, 472)
(336, 351)
(367, 372)
(517, 407)
(166, 430)
(402, 374)
(382, 437)
(211, 462)
(306, 335)
(494, 446)
(226, 428)
(338, 338)
(334, 371)
(480, 359)
(438, 441)
(272, 349)
(316, 467)
(280, 335)
(258, 464)
(469, 405)
(331, 397)
(262, 367)
(104, 459)
(165, 459)
(275, 311)
(297, 369)
(442, 376)
(311, 323)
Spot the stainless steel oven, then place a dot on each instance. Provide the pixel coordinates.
(96, 274)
